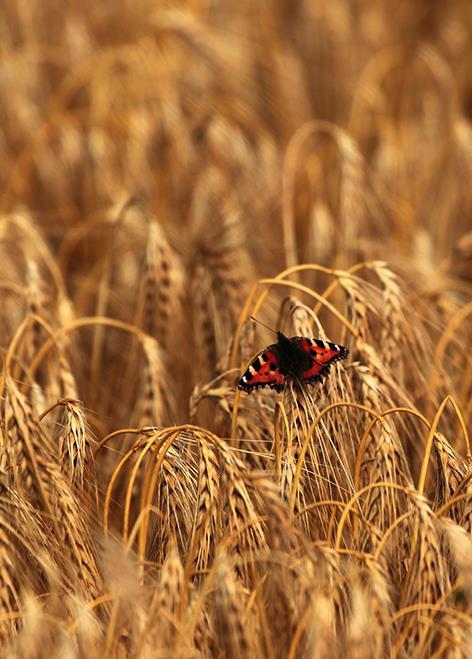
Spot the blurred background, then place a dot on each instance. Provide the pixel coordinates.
(158, 157)
(158, 160)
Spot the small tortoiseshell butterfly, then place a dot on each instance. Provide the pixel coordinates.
(298, 358)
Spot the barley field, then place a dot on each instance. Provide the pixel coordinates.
(168, 171)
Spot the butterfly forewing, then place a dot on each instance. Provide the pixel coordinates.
(263, 371)
(324, 352)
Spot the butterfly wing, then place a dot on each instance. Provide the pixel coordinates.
(323, 354)
(263, 372)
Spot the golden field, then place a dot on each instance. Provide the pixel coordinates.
(167, 171)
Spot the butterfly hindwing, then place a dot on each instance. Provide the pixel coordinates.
(315, 372)
(263, 372)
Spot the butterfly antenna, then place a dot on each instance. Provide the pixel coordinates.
(263, 324)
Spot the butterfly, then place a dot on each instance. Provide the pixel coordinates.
(298, 358)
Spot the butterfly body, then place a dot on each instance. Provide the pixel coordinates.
(292, 359)
(298, 359)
